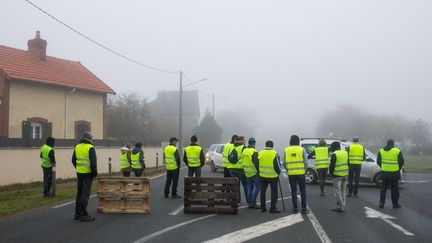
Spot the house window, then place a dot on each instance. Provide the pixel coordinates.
(36, 130)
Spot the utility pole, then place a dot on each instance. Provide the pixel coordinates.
(180, 148)
(213, 106)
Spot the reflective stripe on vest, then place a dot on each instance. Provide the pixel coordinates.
(341, 166)
(170, 160)
(193, 156)
(321, 158)
(266, 163)
(294, 160)
(82, 154)
(248, 165)
(45, 160)
(239, 163)
(124, 162)
(135, 161)
(226, 152)
(389, 160)
(356, 152)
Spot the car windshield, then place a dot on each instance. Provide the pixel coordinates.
(212, 147)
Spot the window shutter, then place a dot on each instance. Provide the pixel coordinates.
(26, 129)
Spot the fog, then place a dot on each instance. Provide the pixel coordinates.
(288, 61)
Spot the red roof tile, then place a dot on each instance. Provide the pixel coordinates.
(20, 64)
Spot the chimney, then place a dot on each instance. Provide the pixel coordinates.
(37, 47)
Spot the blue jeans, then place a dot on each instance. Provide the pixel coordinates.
(254, 187)
(301, 181)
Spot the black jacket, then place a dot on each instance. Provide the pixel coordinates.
(202, 156)
(93, 159)
(389, 175)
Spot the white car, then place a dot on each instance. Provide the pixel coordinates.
(370, 171)
(214, 156)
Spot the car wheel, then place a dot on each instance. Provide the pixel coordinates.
(378, 180)
(212, 166)
(311, 176)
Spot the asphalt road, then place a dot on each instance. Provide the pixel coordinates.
(167, 223)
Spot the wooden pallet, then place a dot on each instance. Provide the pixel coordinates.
(211, 195)
(123, 194)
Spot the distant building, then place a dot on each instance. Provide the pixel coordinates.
(44, 96)
(166, 108)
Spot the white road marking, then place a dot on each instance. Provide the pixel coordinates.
(416, 181)
(318, 228)
(258, 230)
(371, 213)
(161, 232)
(177, 210)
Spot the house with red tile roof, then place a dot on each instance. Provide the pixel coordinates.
(43, 96)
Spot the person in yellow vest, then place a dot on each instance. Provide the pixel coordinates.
(85, 163)
(321, 156)
(138, 160)
(268, 167)
(250, 167)
(339, 170)
(226, 151)
(47, 163)
(125, 160)
(171, 158)
(236, 166)
(296, 162)
(194, 158)
(391, 161)
(356, 154)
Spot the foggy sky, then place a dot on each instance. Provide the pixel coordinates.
(288, 60)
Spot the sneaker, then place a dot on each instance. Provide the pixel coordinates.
(176, 196)
(255, 206)
(305, 211)
(322, 194)
(397, 205)
(349, 194)
(48, 194)
(263, 210)
(381, 205)
(338, 210)
(295, 210)
(274, 210)
(86, 218)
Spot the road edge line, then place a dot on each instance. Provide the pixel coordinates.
(318, 228)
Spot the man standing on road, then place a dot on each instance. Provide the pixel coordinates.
(172, 162)
(194, 158)
(226, 151)
(125, 160)
(250, 167)
(321, 163)
(84, 161)
(236, 166)
(138, 160)
(356, 154)
(391, 161)
(296, 163)
(47, 163)
(339, 170)
(268, 164)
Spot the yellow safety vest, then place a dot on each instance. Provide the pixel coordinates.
(82, 155)
(124, 162)
(294, 160)
(226, 152)
(356, 153)
(170, 160)
(239, 164)
(389, 160)
(135, 161)
(321, 158)
(248, 165)
(193, 156)
(341, 166)
(45, 160)
(265, 162)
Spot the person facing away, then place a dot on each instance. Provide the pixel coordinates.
(138, 159)
(85, 162)
(391, 161)
(236, 166)
(171, 158)
(125, 160)
(226, 151)
(48, 161)
(194, 158)
(268, 167)
(339, 170)
(321, 155)
(296, 163)
(356, 154)
(250, 167)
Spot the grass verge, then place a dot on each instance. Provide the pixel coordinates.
(20, 198)
(418, 163)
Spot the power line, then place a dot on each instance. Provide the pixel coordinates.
(99, 44)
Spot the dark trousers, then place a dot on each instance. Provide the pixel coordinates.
(393, 183)
(274, 192)
(47, 180)
(239, 173)
(172, 176)
(138, 172)
(84, 184)
(126, 173)
(301, 181)
(226, 172)
(353, 178)
(322, 173)
(194, 171)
